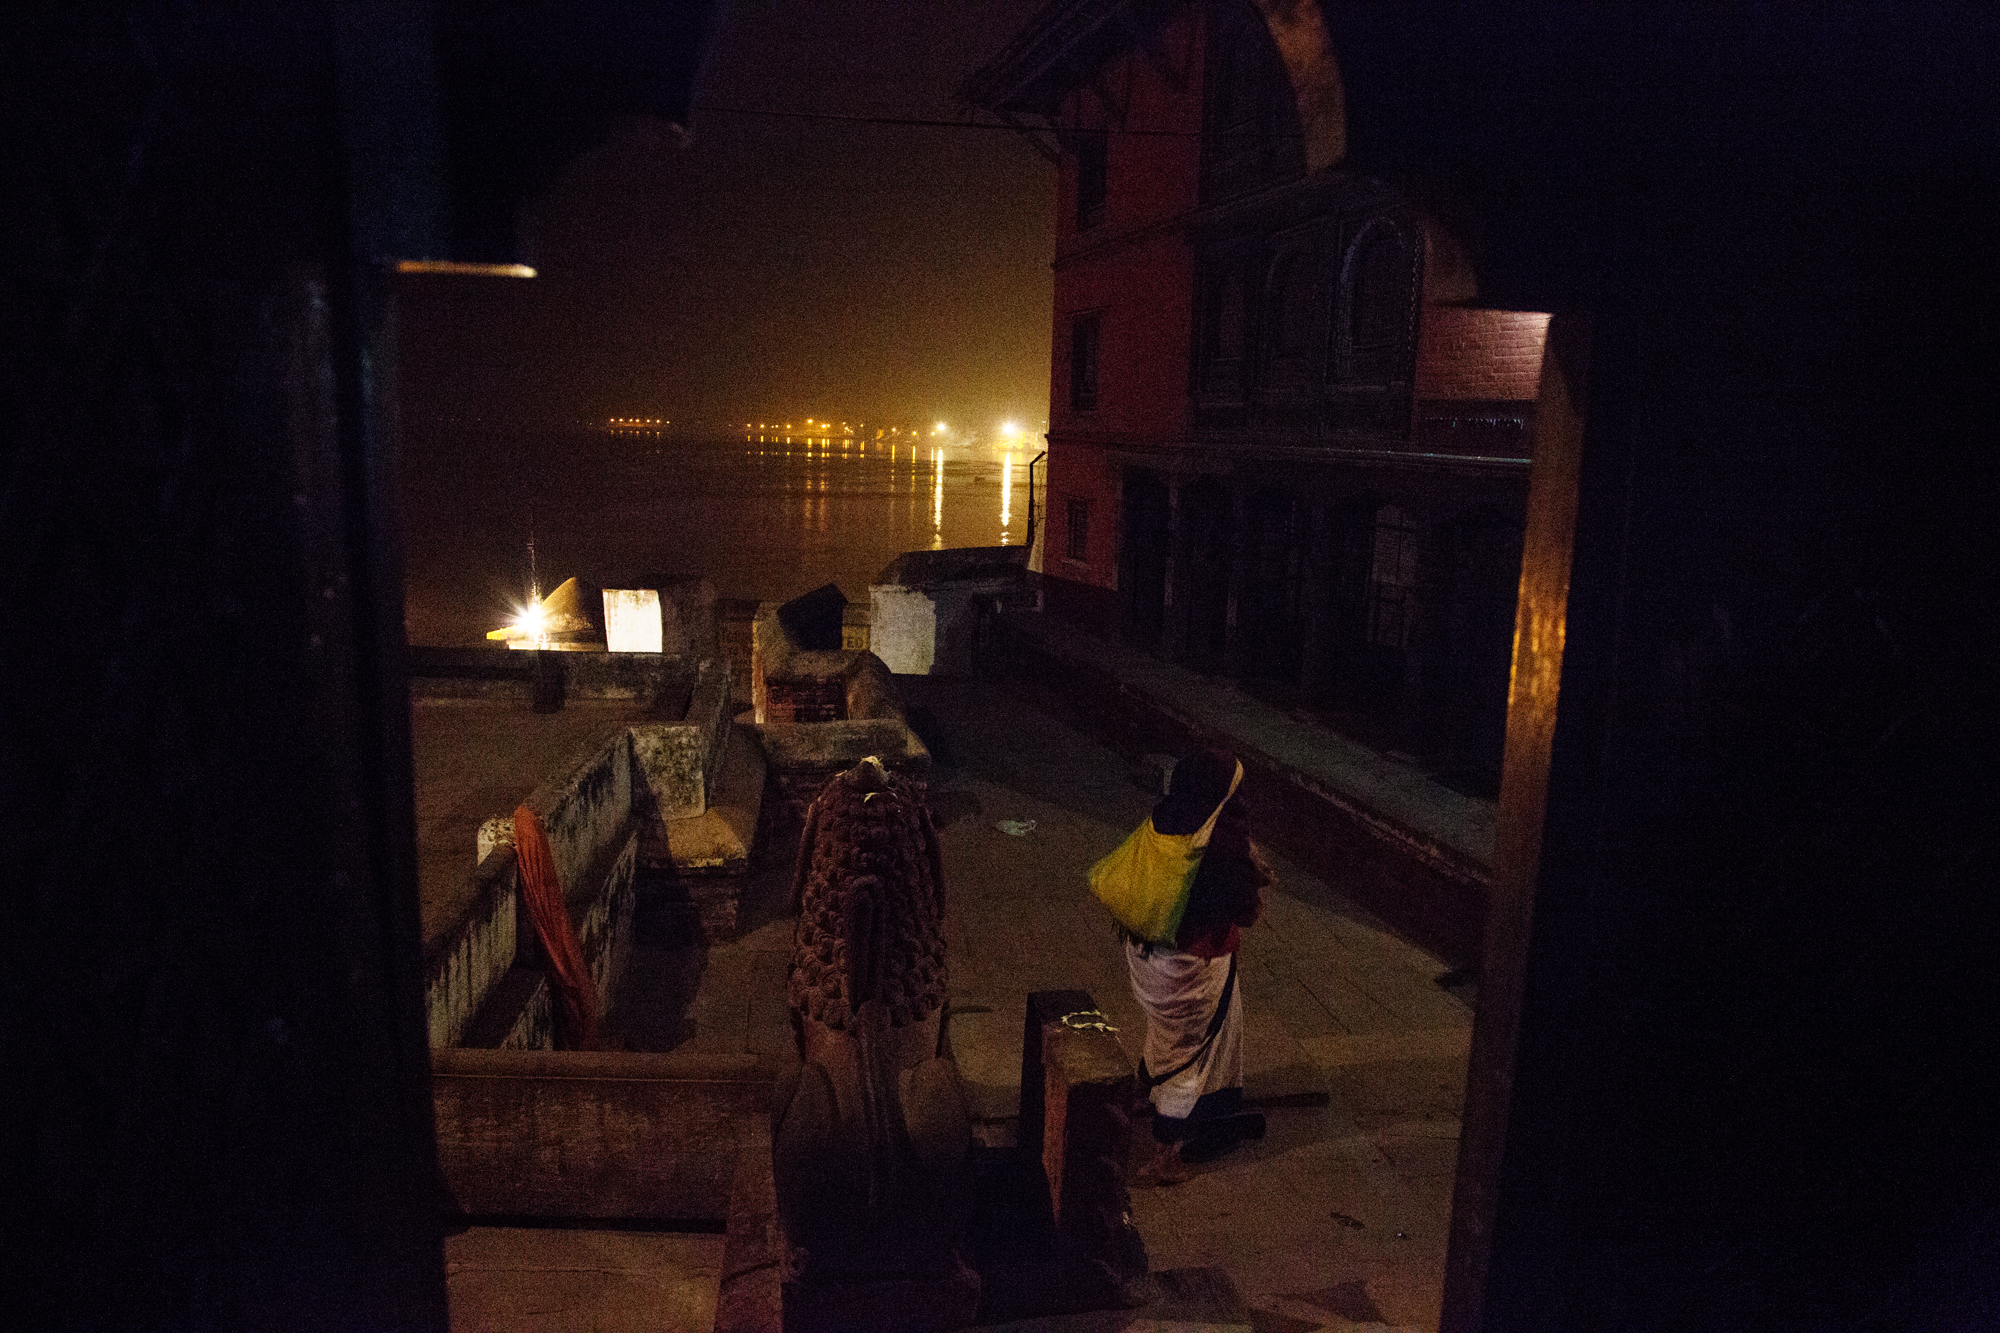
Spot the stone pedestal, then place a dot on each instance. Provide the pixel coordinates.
(1077, 1093)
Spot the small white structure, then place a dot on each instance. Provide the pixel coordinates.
(632, 620)
(902, 628)
(928, 609)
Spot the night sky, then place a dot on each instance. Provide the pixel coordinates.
(770, 264)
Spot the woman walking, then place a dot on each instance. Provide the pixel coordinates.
(1182, 959)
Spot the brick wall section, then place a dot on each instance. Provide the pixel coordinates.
(1489, 354)
(806, 699)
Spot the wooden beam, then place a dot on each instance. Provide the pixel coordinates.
(1033, 134)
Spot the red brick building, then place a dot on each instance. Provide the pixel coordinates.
(1285, 445)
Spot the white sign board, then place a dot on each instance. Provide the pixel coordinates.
(632, 620)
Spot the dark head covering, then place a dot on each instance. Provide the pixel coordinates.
(1199, 783)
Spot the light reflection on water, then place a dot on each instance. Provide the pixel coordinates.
(761, 517)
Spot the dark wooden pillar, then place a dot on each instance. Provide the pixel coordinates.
(1179, 581)
(1729, 1066)
(1540, 622)
(1236, 644)
(220, 1112)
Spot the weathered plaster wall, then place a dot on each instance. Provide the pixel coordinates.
(678, 761)
(468, 961)
(593, 829)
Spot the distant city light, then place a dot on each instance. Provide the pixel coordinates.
(939, 430)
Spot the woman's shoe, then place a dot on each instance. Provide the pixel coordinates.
(1212, 1138)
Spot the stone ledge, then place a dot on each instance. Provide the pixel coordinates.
(804, 755)
(679, 760)
(828, 747)
(577, 1135)
(718, 840)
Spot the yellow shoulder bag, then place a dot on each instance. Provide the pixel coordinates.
(1147, 878)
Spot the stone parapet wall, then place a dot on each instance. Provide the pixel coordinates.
(498, 673)
(602, 916)
(582, 1135)
(681, 761)
(587, 811)
(466, 962)
(593, 828)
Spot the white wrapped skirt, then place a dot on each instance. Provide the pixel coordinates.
(1179, 992)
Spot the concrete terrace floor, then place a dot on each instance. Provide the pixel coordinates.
(476, 758)
(1338, 1218)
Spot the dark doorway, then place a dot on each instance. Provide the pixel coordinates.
(1273, 588)
(1466, 647)
(1207, 539)
(1142, 557)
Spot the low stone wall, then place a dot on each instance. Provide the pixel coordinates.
(593, 830)
(563, 1137)
(638, 785)
(594, 1134)
(602, 913)
(469, 960)
(681, 761)
(652, 679)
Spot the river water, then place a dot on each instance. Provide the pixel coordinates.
(759, 518)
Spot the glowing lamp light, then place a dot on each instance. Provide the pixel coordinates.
(533, 622)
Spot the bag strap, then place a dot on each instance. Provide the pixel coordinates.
(1150, 1081)
(1201, 834)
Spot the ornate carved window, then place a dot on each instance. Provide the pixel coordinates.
(1392, 579)
(1291, 303)
(1379, 302)
(1220, 356)
(1250, 132)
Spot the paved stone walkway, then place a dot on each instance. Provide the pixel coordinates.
(1338, 1218)
(1393, 785)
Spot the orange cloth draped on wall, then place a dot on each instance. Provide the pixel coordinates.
(572, 990)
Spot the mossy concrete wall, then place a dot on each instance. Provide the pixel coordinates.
(469, 960)
(593, 825)
(678, 762)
